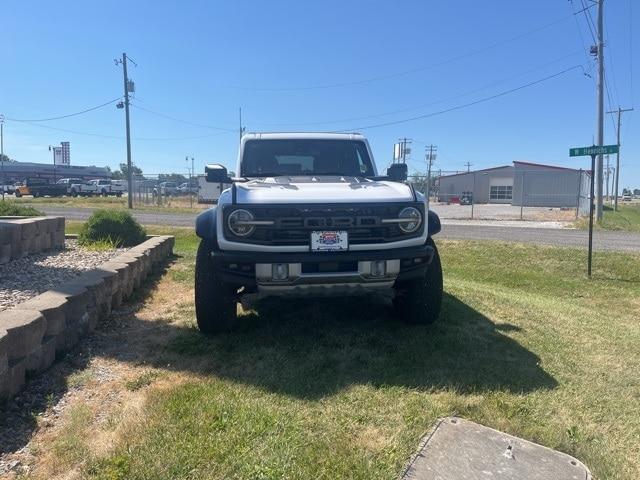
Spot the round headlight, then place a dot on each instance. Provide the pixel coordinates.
(237, 222)
(414, 220)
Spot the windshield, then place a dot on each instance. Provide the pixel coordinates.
(263, 158)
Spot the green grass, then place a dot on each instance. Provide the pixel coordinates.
(173, 205)
(341, 389)
(10, 208)
(627, 218)
(144, 380)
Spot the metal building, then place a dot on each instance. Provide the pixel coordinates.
(523, 183)
(18, 171)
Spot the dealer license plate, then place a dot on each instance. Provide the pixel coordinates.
(329, 241)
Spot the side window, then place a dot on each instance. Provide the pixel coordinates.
(361, 164)
(364, 162)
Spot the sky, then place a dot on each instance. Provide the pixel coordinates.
(487, 82)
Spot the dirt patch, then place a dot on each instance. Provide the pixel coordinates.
(84, 405)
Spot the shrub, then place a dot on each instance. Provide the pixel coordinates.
(12, 209)
(116, 227)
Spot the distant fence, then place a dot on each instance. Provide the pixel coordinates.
(519, 194)
(153, 190)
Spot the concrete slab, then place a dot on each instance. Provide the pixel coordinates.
(457, 449)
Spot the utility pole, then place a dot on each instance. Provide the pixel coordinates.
(430, 156)
(128, 127)
(2, 153)
(191, 174)
(241, 127)
(468, 165)
(607, 177)
(404, 142)
(600, 109)
(620, 111)
(52, 149)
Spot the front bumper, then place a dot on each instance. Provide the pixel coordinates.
(320, 273)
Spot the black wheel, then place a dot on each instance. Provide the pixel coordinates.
(17, 194)
(216, 301)
(74, 194)
(36, 194)
(104, 193)
(418, 301)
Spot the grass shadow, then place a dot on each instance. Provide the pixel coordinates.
(311, 349)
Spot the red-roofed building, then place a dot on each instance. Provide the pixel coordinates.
(523, 183)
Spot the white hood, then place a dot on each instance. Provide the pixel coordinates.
(297, 190)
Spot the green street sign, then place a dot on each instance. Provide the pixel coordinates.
(593, 150)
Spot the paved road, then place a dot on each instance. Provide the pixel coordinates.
(621, 241)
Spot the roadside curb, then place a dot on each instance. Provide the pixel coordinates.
(36, 332)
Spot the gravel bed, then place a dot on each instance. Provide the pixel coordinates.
(32, 275)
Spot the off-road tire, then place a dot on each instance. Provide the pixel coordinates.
(418, 301)
(216, 301)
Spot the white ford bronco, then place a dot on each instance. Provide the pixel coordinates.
(308, 214)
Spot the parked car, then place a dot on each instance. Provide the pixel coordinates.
(106, 187)
(466, 198)
(310, 216)
(166, 189)
(626, 197)
(78, 187)
(186, 188)
(39, 187)
(9, 188)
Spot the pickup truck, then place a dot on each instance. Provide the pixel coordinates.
(108, 187)
(39, 187)
(309, 215)
(78, 187)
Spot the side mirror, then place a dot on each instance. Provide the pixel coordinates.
(216, 173)
(397, 172)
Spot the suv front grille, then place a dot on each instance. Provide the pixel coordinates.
(293, 225)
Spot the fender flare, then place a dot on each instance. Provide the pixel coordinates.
(433, 223)
(206, 225)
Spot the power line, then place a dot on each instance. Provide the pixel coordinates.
(610, 61)
(86, 110)
(465, 105)
(611, 104)
(590, 23)
(116, 137)
(179, 120)
(412, 70)
(584, 45)
(417, 107)
(631, 49)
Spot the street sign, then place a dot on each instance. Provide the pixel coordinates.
(593, 150)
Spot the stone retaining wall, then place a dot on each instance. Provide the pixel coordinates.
(35, 332)
(21, 236)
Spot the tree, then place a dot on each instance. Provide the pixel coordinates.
(123, 172)
(7, 159)
(636, 192)
(172, 177)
